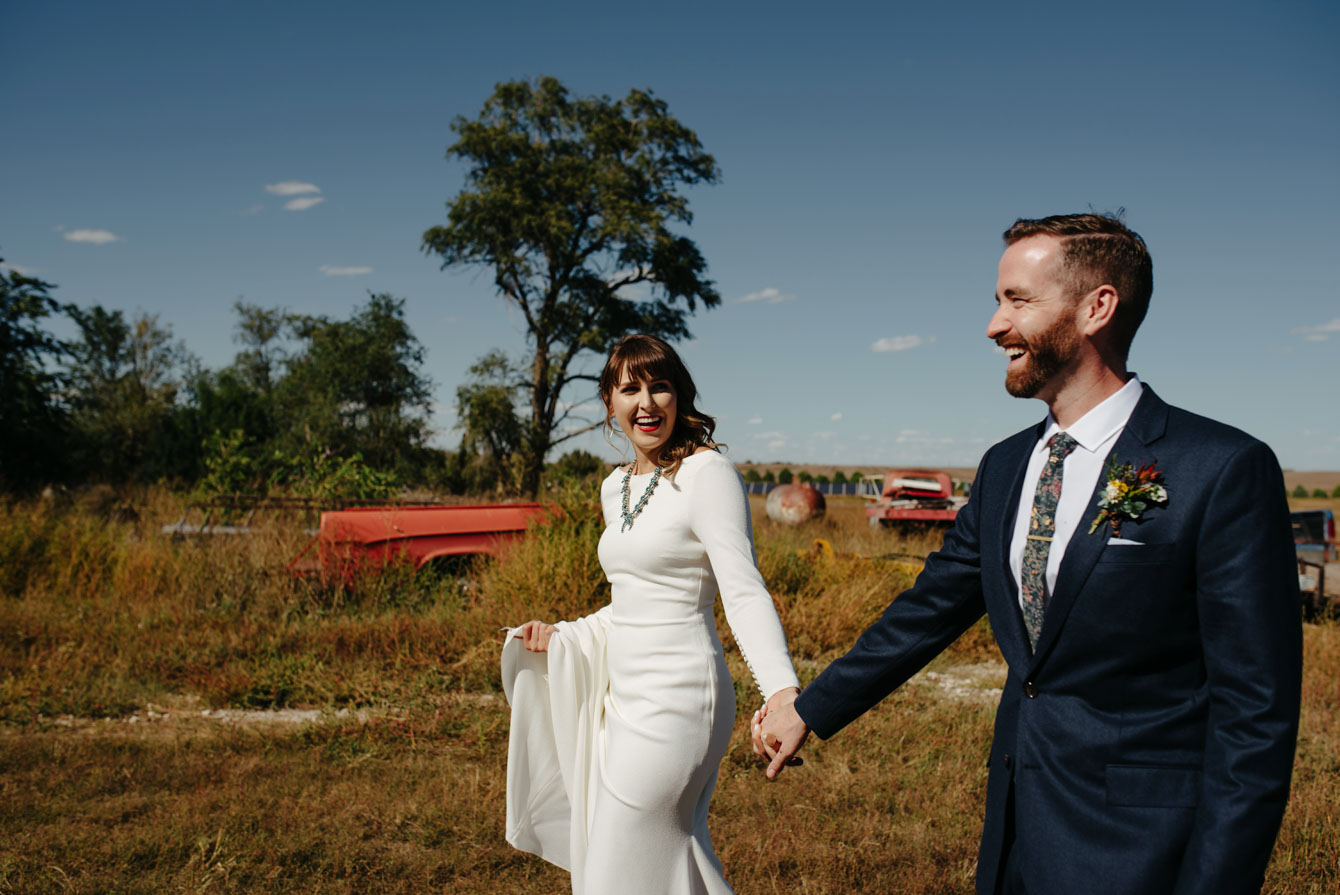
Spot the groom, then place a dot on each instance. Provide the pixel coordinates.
(1137, 564)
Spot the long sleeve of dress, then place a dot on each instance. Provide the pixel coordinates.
(720, 518)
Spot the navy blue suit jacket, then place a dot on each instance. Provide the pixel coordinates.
(1148, 743)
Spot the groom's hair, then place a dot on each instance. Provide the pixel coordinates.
(1098, 250)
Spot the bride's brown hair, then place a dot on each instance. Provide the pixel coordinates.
(648, 358)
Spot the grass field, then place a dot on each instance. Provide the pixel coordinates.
(151, 738)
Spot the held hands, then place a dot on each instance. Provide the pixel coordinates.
(778, 731)
(535, 635)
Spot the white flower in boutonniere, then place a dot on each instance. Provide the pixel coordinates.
(1127, 494)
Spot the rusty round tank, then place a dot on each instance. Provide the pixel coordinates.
(796, 503)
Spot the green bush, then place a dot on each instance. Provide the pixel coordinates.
(577, 465)
(232, 466)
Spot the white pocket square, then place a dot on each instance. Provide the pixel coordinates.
(1124, 542)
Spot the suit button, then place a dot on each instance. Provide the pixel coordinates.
(1008, 760)
(1030, 689)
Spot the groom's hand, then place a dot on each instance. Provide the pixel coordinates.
(780, 732)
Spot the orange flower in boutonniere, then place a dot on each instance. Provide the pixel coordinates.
(1127, 494)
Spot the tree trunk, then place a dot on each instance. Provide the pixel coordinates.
(535, 442)
(533, 449)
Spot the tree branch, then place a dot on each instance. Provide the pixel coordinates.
(517, 293)
(575, 433)
(641, 276)
(568, 412)
(589, 377)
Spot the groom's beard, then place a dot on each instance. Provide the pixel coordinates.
(1048, 352)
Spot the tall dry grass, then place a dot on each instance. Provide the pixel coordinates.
(101, 618)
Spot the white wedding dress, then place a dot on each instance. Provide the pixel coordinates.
(618, 731)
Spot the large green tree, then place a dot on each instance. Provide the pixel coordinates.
(571, 201)
(491, 431)
(353, 386)
(123, 380)
(32, 419)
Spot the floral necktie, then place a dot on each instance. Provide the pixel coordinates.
(1041, 528)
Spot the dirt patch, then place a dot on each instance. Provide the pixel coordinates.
(185, 715)
(979, 682)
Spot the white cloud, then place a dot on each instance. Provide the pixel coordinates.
(627, 273)
(777, 445)
(97, 237)
(899, 343)
(1319, 332)
(19, 269)
(769, 296)
(291, 188)
(754, 420)
(835, 417)
(254, 209)
(304, 203)
(768, 435)
(344, 271)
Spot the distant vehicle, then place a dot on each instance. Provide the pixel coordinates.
(1314, 541)
(915, 496)
(370, 538)
(1314, 535)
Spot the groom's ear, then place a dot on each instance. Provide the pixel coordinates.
(1099, 311)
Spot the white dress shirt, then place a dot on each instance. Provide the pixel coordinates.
(1095, 433)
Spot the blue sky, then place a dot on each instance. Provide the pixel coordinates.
(871, 156)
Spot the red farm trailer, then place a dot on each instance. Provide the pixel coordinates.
(915, 496)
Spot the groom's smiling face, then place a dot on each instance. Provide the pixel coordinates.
(1035, 320)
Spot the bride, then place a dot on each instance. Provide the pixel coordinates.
(617, 732)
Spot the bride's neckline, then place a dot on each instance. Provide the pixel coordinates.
(621, 470)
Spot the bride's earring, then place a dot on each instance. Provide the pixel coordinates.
(609, 429)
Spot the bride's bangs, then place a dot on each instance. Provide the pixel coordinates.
(642, 358)
(641, 361)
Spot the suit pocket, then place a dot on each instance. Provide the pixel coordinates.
(1137, 553)
(1152, 786)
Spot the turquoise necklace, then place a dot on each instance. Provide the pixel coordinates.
(642, 501)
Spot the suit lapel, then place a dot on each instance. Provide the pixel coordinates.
(1014, 641)
(1146, 425)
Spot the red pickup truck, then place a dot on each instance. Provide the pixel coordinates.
(368, 538)
(917, 496)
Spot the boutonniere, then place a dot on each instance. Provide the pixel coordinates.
(1127, 494)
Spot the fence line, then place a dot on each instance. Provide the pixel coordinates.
(868, 487)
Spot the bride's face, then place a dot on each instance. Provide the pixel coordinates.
(645, 410)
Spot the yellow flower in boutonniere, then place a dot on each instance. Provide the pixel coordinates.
(1127, 494)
